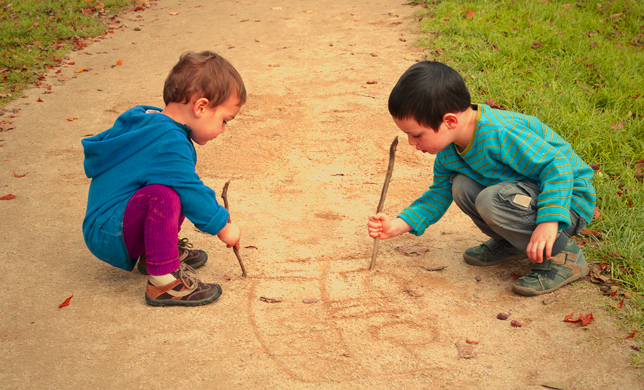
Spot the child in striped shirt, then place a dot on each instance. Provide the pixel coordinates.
(519, 181)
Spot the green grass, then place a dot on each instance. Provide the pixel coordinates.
(36, 34)
(577, 67)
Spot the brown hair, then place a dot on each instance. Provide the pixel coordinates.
(204, 74)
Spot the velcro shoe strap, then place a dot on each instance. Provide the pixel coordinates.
(492, 245)
(545, 266)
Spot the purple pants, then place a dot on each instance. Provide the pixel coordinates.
(151, 225)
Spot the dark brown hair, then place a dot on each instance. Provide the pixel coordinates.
(204, 74)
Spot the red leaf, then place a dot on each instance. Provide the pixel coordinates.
(516, 324)
(66, 303)
(39, 100)
(587, 319)
(515, 275)
(621, 303)
(471, 342)
(568, 318)
(630, 335)
(8, 197)
(16, 175)
(603, 266)
(613, 293)
(469, 14)
(536, 44)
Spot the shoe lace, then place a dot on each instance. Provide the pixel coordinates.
(188, 277)
(184, 244)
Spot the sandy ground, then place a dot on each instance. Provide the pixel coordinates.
(307, 157)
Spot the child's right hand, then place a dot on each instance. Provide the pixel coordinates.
(230, 235)
(380, 225)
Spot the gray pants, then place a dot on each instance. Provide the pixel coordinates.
(507, 211)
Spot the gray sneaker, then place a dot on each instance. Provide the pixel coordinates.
(492, 252)
(554, 273)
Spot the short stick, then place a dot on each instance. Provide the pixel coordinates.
(224, 196)
(383, 195)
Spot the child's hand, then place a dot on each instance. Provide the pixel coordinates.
(543, 237)
(230, 235)
(380, 225)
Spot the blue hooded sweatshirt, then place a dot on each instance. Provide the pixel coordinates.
(142, 148)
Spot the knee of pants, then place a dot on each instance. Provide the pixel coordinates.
(486, 204)
(165, 195)
(463, 191)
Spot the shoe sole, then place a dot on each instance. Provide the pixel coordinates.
(530, 292)
(474, 261)
(172, 302)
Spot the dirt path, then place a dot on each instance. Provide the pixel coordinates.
(307, 156)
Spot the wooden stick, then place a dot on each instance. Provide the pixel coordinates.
(383, 195)
(224, 196)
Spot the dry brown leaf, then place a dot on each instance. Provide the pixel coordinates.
(310, 300)
(270, 300)
(465, 350)
(412, 250)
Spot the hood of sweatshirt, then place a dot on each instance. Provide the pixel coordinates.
(133, 130)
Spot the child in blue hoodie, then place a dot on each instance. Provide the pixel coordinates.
(144, 182)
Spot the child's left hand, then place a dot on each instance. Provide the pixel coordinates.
(543, 237)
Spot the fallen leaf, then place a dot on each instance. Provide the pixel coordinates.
(465, 350)
(251, 246)
(309, 12)
(71, 118)
(270, 300)
(39, 100)
(587, 319)
(502, 316)
(80, 70)
(471, 342)
(490, 102)
(7, 197)
(276, 8)
(516, 324)
(412, 250)
(119, 62)
(516, 276)
(478, 278)
(536, 44)
(274, 66)
(630, 335)
(66, 303)
(596, 213)
(409, 57)
(414, 293)
(562, 385)
(595, 167)
(16, 175)
(173, 13)
(469, 14)
(372, 82)
(226, 277)
(310, 300)
(550, 298)
(621, 303)
(439, 268)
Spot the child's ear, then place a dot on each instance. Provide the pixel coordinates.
(199, 106)
(451, 120)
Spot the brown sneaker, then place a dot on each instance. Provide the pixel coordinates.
(187, 290)
(195, 258)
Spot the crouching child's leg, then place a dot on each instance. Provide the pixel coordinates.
(507, 212)
(150, 225)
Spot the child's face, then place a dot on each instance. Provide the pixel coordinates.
(212, 120)
(424, 138)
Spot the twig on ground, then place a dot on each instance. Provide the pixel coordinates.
(383, 195)
(224, 196)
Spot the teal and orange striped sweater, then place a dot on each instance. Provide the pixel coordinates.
(509, 146)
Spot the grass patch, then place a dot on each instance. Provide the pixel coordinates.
(36, 34)
(577, 66)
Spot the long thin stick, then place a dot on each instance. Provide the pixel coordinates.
(383, 195)
(224, 196)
